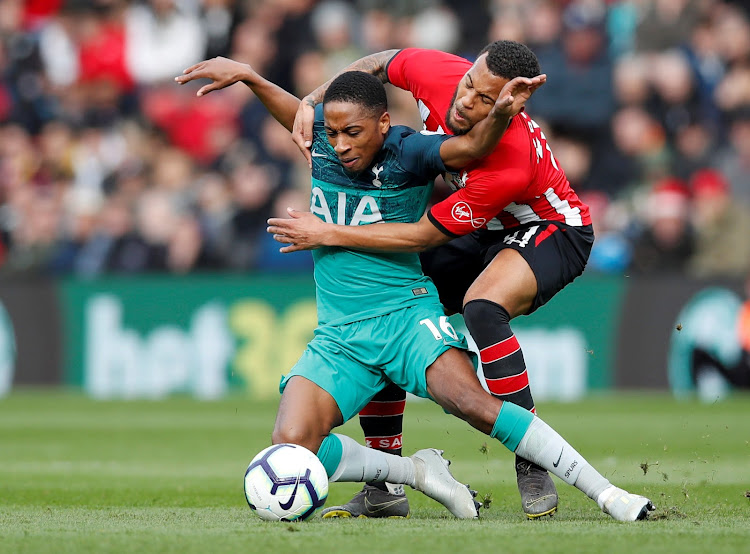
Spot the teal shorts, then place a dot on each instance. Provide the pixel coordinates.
(353, 362)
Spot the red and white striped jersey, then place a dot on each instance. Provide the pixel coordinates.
(519, 182)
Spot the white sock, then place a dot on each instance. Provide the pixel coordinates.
(361, 464)
(545, 447)
(395, 489)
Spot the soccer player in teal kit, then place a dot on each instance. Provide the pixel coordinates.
(380, 319)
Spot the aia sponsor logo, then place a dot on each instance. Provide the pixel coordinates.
(461, 212)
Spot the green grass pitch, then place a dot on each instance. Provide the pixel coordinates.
(78, 475)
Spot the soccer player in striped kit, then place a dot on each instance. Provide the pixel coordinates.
(512, 234)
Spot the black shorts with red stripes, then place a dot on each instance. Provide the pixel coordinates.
(557, 253)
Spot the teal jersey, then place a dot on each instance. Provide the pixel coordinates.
(353, 285)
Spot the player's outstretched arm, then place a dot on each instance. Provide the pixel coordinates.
(306, 231)
(375, 64)
(224, 72)
(458, 151)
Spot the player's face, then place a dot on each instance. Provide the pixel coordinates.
(355, 133)
(474, 97)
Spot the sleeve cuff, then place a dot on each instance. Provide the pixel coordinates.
(440, 226)
(388, 65)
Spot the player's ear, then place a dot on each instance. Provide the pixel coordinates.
(384, 123)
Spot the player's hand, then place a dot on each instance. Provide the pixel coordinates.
(515, 93)
(303, 126)
(304, 231)
(223, 72)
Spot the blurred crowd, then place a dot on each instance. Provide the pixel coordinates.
(108, 166)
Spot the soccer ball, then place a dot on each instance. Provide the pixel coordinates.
(286, 482)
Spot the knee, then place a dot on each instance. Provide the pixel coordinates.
(302, 429)
(309, 436)
(479, 311)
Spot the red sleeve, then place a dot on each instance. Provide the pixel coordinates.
(412, 67)
(430, 75)
(490, 185)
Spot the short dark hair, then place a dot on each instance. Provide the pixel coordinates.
(509, 59)
(360, 88)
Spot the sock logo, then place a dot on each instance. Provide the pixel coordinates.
(574, 464)
(557, 463)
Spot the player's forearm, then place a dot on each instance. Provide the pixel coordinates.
(389, 237)
(282, 105)
(386, 237)
(374, 64)
(459, 151)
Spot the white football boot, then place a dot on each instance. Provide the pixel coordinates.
(624, 506)
(433, 478)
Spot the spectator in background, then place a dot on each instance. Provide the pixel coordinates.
(35, 232)
(734, 161)
(576, 157)
(105, 83)
(162, 38)
(675, 101)
(80, 220)
(578, 97)
(218, 21)
(732, 33)
(666, 242)
(269, 257)
(641, 152)
(722, 228)
(508, 24)
(631, 82)
(253, 190)
(56, 150)
(186, 249)
(144, 249)
(173, 173)
(694, 148)
(611, 252)
(542, 24)
(112, 243)
(215, 211)
(436, 28)
(290, 21)
(707, 63)
(665, 24)
(377, 31)
(332, 23)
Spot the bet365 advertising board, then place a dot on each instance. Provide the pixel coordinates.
(204, 336)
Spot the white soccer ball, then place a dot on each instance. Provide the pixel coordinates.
(286, 482)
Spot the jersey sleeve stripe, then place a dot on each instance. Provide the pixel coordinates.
(572, 215)
(522, 212)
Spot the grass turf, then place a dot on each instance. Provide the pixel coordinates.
(78, 475)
